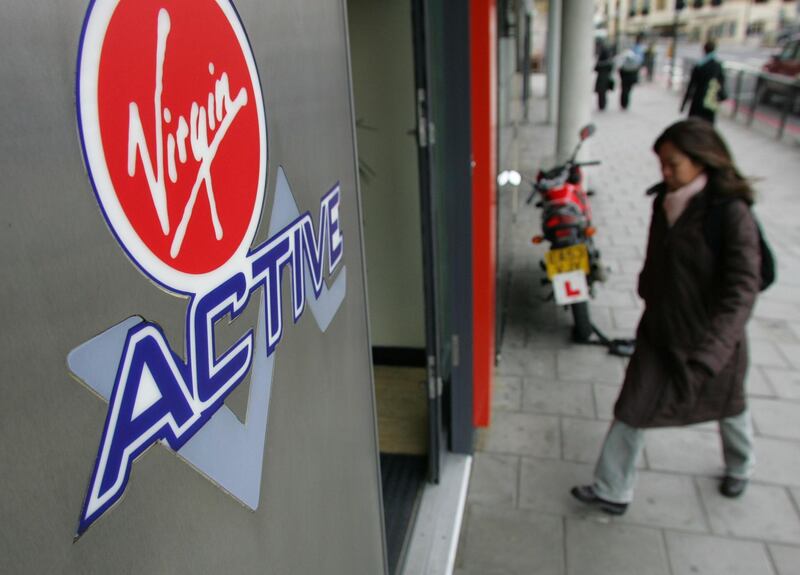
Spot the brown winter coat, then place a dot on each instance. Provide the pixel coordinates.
(691, 350)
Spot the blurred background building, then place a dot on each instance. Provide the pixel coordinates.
(728, 21)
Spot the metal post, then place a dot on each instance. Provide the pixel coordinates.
(674, 47)
(575, 90)
(738, 95)
(526, 67)
(747, 20)
(553, 58)
(791, 94)
(754, 103)
(617, 16)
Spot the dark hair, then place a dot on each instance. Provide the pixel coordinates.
(709, 46)
(700, 141)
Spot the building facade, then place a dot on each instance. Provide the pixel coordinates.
(728, 21)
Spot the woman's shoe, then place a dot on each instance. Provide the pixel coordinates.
(732, 486)
(586, 494)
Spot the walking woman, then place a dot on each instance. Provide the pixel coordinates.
(691, 349)
(605, 77)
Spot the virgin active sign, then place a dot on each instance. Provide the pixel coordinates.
(174, 135)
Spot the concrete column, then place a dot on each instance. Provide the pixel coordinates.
(575, 86)
(553, 58)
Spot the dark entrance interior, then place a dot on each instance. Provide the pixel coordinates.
(387, 55)
(415, 179)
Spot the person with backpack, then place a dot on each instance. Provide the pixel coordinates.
(690, 359)
(706, 87)
(631, 62)
(605, 74)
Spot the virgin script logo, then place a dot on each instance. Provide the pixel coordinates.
(184, 200)
(221, 109)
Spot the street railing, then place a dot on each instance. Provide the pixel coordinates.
(748, 88)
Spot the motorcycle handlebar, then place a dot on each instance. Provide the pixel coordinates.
(558, 170)
(547, 183)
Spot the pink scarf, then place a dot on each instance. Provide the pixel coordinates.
(675, 202)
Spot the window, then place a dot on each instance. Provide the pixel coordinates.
(754, 28)
(788, 52)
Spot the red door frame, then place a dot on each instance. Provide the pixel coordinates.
(483, 42)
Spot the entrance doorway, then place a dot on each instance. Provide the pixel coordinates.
(388, 55)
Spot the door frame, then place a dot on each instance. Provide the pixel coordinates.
(423, 130)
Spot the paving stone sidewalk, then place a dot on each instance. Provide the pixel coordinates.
(553, 400)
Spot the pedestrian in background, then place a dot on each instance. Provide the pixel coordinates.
(650, 60)
(706, 87)
(691, 348)
(631, 62)
(605, 74)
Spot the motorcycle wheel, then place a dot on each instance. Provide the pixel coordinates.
(582, 330)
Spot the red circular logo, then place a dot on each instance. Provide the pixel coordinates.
(173, 127)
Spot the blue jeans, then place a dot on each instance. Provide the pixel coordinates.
(615, 472)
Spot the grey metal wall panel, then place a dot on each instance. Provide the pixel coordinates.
(65, 279)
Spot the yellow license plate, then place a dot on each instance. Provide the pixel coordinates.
(565, 260)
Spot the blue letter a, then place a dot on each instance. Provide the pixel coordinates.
(150, 401)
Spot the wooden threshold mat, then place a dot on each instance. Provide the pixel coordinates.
(402, 409)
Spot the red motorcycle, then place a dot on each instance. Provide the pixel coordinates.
(572, 263)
